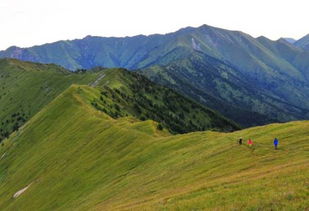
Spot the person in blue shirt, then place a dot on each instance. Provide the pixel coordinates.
(276, 142)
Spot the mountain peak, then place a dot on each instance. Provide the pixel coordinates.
(303, 42)
(13, 48)
(288, 39)
(283, 40)
(262, 38)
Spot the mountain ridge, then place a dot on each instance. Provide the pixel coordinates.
(27, 87)
(89, 160)
(153, 41)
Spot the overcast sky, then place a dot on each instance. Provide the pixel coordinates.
(31, 22)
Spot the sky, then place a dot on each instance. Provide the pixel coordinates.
(25, 23)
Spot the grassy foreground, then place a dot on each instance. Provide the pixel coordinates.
(75, 157)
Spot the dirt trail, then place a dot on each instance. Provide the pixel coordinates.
(3, 156)
(18, 193)
(96, 82)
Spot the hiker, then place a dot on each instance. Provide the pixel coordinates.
(250, 142)
(276, 142)
(240, 141)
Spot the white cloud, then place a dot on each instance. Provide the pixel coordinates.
(26, 23)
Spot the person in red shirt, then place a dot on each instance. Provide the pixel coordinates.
(250, 142)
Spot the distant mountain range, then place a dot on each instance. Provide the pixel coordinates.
(251, 80)
(143, 51)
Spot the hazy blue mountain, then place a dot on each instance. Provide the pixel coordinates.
(303, 42)
(290, 40)
(141, 51)
(129, 52)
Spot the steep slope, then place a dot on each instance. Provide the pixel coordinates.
(71, 156)
(303, 42)
(289, 53)
(125, 93)
(25, 88)
(222, 87)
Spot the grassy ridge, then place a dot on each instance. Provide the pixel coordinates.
(81, 158)
(26, 87)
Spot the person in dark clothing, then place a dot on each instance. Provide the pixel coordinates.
(240, 141)
(276, 142)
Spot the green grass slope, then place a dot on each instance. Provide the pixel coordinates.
(72, 156)
(25, 88)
